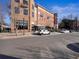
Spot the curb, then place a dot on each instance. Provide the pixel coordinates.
(15, 37)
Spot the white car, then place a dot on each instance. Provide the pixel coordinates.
(36, 32)
(45, 32)
(65, 31)
(42, 32)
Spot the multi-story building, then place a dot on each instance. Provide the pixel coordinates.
(44, 18)
(75, 25)
(25, 14)
(22, 14)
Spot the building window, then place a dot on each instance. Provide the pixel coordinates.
(17, 10)
(25, 12)
(32, 6)
(41, 15)
(17, 1)
(21, 24)
(48, 17)
(25, 2)
(32, 14)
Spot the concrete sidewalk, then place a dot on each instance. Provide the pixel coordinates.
(14, 35)
(21, 35)
(55, 33)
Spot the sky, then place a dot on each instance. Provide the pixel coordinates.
(64, 8)
(4, 4)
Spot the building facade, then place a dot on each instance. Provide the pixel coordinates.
(75, 25)
(44, 18)
(25, 14)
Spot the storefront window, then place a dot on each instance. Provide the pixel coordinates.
(21, 24)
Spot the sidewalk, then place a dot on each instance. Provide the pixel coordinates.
(20, 35)
(55, 33)
(14, 35)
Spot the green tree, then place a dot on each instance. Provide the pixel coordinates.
(66, 24)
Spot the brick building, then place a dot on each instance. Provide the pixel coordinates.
(25, 14)
(75, 25)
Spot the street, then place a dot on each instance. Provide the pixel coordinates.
(40, 47)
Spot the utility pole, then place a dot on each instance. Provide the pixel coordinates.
(29, 16)
(55, 21)
(71, 21)
(76, 22)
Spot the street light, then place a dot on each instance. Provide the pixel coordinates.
(55, 21)
(76, 23)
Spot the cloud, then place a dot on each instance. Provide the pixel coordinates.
(71, 9)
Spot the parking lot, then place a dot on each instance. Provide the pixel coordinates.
(41, 47)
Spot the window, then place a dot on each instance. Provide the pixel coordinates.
(32, 6)
(41, 15)
(32, 14)
(25, 12)
(48, 17)
(17, 10)
(17, 1)
(21, 24)
(25, 2)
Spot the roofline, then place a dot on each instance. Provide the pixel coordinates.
(43, 8)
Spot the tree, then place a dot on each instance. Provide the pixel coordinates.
(66, 24)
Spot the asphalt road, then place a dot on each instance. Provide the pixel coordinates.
(41, 47)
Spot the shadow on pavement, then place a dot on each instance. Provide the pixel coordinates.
(7, 57)
(74, 47)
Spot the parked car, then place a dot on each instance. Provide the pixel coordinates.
(65, 31)
(45, 32)
(42, 32)
(36, 32)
